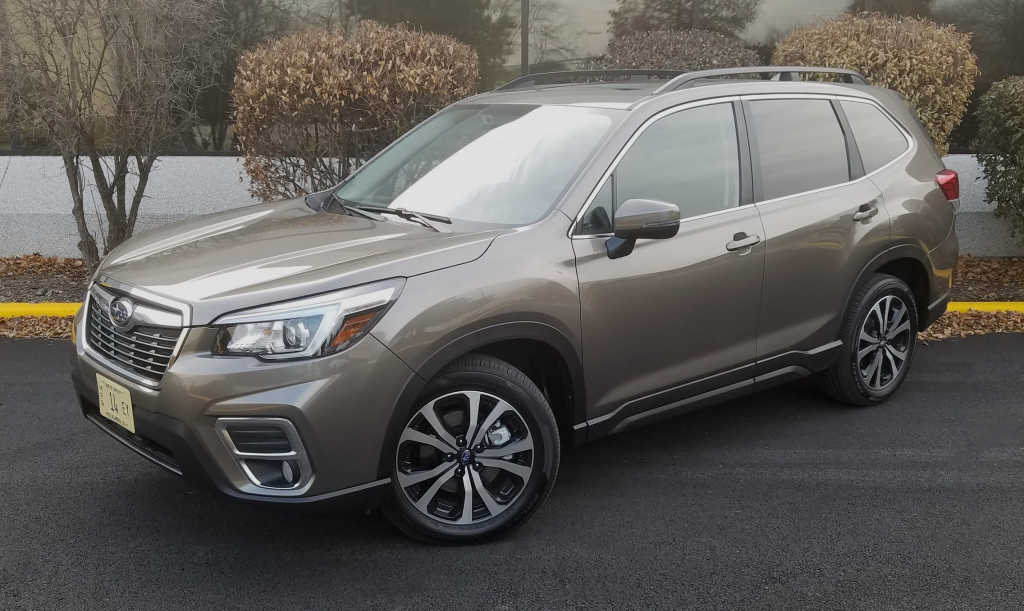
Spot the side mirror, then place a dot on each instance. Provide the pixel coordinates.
(641, 219)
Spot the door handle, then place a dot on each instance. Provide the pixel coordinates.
(741, 241)
(866, 211)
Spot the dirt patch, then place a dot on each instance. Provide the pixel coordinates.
(36, 279)
(36, 326)
(962, 324)
(988, 280)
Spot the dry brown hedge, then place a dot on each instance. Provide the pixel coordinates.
(312, 107)
(674, 50)
(932, 65)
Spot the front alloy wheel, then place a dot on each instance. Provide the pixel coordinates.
(477, 457)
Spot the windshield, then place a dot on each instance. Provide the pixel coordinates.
(504, 164)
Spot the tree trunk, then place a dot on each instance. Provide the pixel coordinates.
(86, 243)
(5, 55)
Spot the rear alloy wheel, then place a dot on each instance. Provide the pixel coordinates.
(477, 457)
(879, 337)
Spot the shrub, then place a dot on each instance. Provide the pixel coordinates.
(930, 64)
(312, 107)
(675, 50)
(1000, 146)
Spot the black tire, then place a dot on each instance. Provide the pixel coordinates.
(852, 379)
(531, 421)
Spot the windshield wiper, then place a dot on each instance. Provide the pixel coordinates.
(422, 217)
(350, 207)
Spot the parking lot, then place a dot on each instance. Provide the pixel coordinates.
(783, 500)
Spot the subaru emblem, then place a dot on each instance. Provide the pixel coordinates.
(121, 310)
(466, 457)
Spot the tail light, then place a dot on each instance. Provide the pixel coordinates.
(949, 182)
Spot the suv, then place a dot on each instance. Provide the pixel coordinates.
(528, 270)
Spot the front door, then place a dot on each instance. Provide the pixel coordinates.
(676, 317)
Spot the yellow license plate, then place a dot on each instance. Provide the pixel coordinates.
(115, 403)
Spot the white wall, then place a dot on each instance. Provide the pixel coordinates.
(35, 207)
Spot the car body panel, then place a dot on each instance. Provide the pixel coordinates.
(527, 276)
(655, 320)
(340, 413)
(815, 251)
(275, 252)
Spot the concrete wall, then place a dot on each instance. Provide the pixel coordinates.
(35, 209)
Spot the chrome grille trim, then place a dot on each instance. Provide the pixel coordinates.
(141, 352)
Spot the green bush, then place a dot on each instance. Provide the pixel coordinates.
(311, 108)
(1000, 147)
(676, 50)
(932, 65)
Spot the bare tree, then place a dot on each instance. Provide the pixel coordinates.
(554, 35)
(112, 82)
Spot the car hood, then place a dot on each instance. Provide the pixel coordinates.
(268, 253)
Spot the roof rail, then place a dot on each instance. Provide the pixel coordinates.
(550, 78)
(782, 73)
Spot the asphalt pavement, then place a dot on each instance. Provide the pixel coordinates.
(783, 500)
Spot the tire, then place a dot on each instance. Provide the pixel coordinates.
(871, 367)
(432, 468)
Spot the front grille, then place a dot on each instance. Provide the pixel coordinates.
(259, 439)
(144, 351)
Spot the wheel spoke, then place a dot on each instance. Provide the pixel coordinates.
(876, 311)
(898, 330)
(521, 470)
(515, 447)
(424, 503)
(467, 499)
(409, 479)
(901, 355)
(870, 371)
(866, 351)
(865, 337)
(418, 437)
(491, 418)
(485, 495)
(878, 368)
(885, 316)
(892, 364)
(474, 414)
(439, 428)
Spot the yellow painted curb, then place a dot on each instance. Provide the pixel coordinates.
(12, 310)
(986, 306)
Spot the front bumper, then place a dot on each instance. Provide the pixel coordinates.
(341, 407)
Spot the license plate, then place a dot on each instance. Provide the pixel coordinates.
(115, 403)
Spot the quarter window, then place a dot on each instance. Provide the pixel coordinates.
(801, 146)
(878, 139)
(689, 158)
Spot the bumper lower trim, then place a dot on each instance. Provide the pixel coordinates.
(138, 448)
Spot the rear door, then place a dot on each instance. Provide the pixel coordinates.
(823, 223)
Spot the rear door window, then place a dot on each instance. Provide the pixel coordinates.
(801, 146)
(878, 139)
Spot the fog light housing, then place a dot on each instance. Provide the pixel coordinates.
(269, 452)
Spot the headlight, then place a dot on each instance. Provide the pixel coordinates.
(311, 327)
